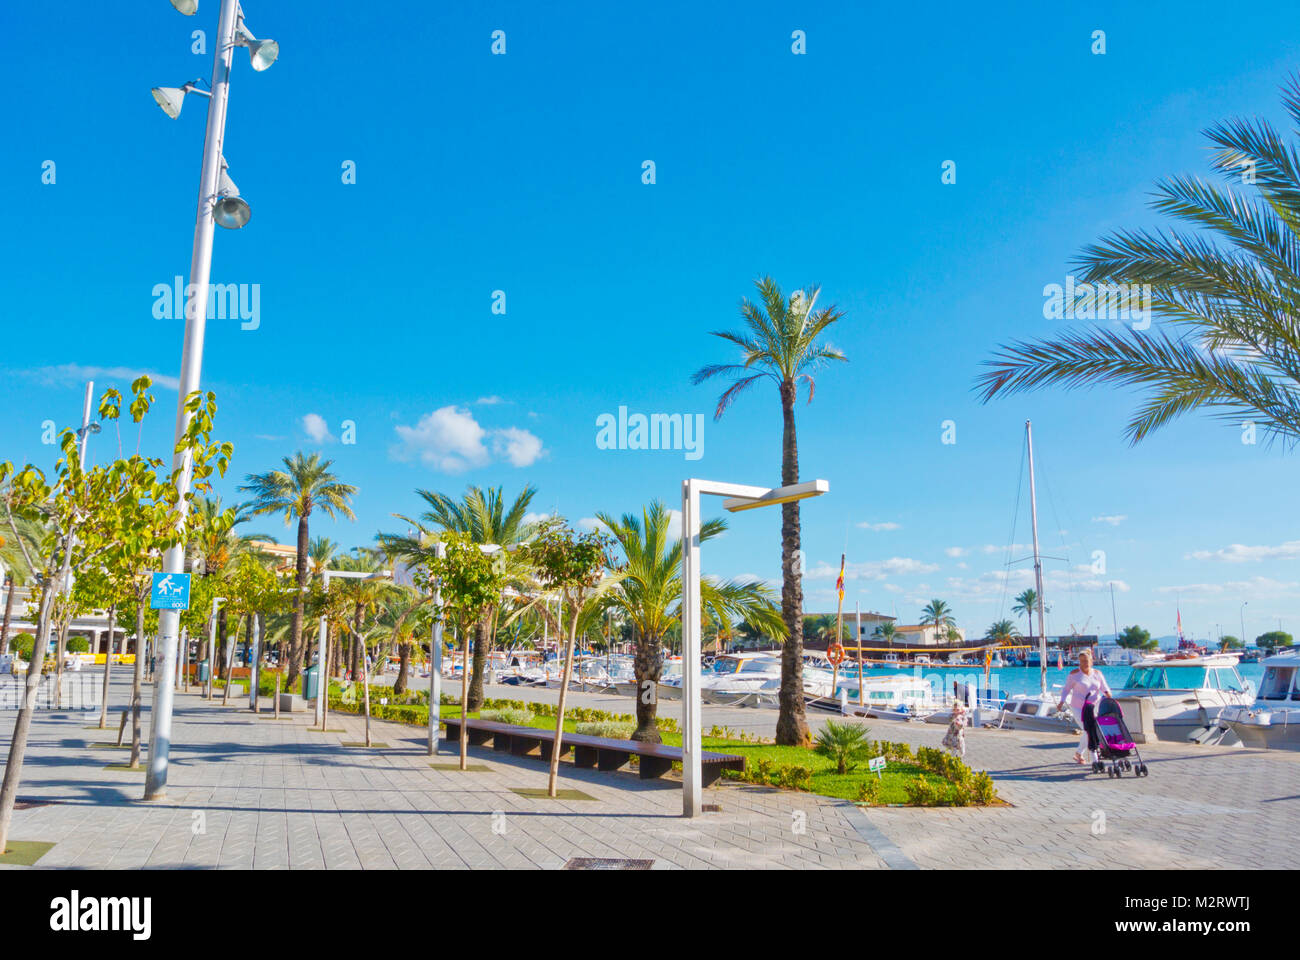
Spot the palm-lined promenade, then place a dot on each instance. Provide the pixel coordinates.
(463, 585)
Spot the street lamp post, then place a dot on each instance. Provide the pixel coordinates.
(229, 22)
(739, 497)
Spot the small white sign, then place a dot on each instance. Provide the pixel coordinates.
(876, 764)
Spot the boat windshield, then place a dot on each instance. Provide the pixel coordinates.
(1166, 678)
(1277, 684)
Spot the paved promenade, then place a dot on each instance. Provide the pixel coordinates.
(254, 792)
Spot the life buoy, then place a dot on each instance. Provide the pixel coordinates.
(835, 654)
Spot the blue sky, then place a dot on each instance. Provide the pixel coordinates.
(523, 173)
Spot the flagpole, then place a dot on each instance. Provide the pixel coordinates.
(839, 626)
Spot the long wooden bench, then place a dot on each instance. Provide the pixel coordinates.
(603, 753)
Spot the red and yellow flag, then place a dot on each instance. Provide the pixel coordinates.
(839, 584)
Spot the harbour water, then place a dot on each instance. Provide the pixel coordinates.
(1021, 680)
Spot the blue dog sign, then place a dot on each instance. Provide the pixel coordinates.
(171, 591)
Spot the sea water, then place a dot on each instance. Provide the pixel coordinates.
(1016, 680)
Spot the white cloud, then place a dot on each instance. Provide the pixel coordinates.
(955, 552)
(1240, 553)
(314, 425)
(1114, 519)
(451, 440)
(887, 525)
(1013, 547)
(518, 446)
(66, 374)
(490, 401)
(1255, 588)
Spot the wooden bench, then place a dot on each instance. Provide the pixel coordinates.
(603, 753)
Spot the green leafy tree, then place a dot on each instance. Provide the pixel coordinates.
(781, 341)
(1026, 605)
(1230, 643)
(471, 582)
(1274, 638)
(98, 516)
(1003, 632)
(1226, 293)
(304, 486)
(572, 566)
(485, 517)
(1135, 638)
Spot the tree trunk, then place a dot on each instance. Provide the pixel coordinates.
(464, 701)
(482, 635)
(791, 722)
(60, 652)
(9, 607)
(365, 674)
(137, 683)
(648, 666)
(300, 578)
(559, 709)
(108, 661)
(23, 723)
(404, 664)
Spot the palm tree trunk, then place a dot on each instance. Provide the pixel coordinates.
(648, 666)
(9, 607)
(481, 636)
(791, 723)
(300, 578)
(108, 662)
(404, 664)
(220, 664)
(137, 683)
(353, 653)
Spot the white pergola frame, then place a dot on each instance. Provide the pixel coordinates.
(739, 497)
(322, 643)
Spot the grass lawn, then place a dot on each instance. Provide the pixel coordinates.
(825, 780)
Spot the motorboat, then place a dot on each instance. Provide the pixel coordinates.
(669, 686)
(743, 679)
(1272, 722)
(1185, 693)
(887, 698)
(1036, 711)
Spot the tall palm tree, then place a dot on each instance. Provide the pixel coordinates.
(302, 487)
(781, 341)
(484, 517)
(649, 598)
(938, 614)
(1026, 603)
(1227, 294)
(321, 552)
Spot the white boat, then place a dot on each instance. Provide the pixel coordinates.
(887, 698)
(1185, 693)
(670, 680)
(1036, 711)
(742, 679)
(1272, 722)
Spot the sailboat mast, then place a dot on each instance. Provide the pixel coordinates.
(1038, 565)
(1113, 618)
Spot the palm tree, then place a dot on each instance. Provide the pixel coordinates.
(401, 621)
(303, 486)
(887, 632)
(1025, 605)
(212, 547)
(1002, 632)
(365, 596)
(781, 341)
(1227, 294)
(649, 598)
(938, 614)
(321, 552)
(483, 517)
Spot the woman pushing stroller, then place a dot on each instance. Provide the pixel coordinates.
(1081, 684)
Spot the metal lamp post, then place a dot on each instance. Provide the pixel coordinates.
(230, 33)
(739, 497)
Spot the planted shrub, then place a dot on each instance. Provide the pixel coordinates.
(511, 715)
(869, 790)
(612, 729)
(844, 743)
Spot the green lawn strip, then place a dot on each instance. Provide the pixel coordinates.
(25, 853)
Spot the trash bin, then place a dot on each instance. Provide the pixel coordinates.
(311, 682)
(203, 671)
